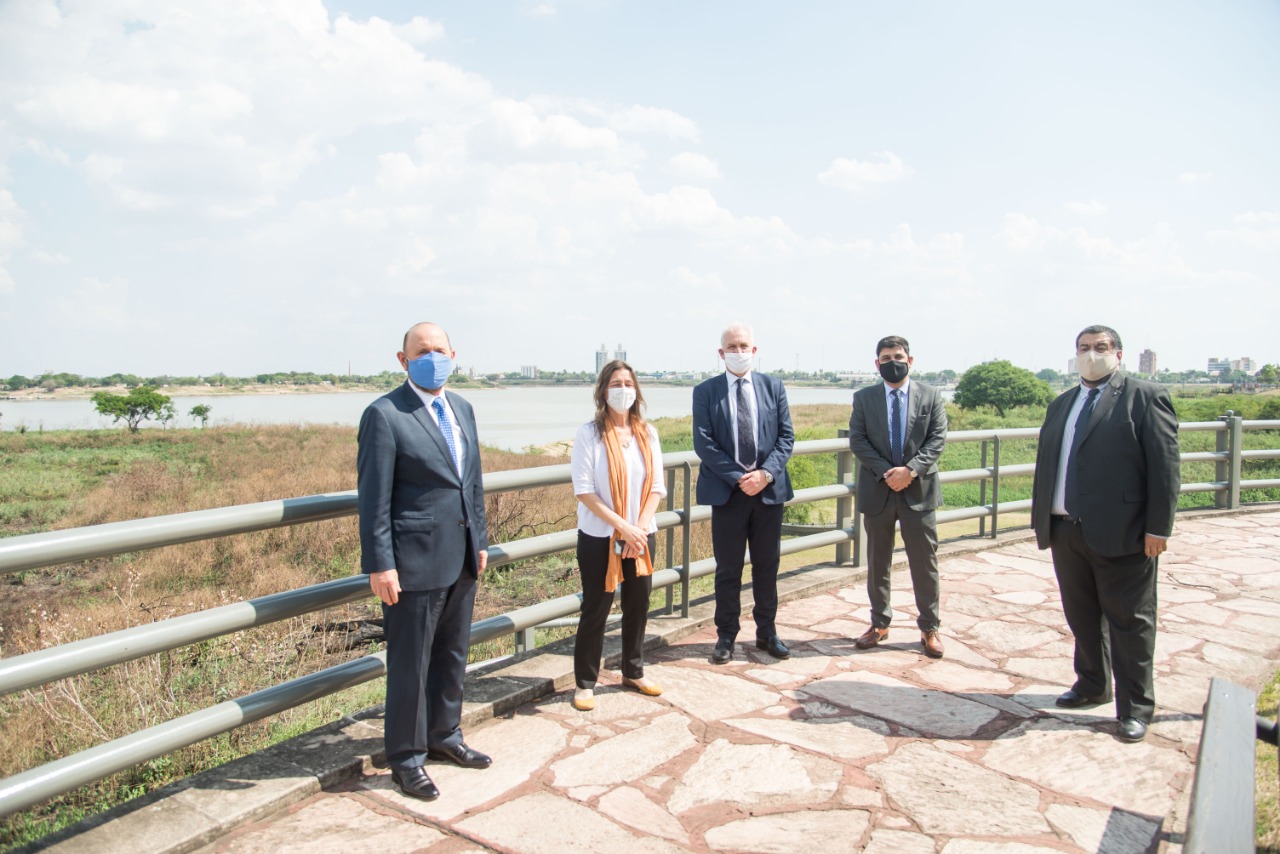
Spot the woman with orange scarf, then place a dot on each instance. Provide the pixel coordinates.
(617, 478)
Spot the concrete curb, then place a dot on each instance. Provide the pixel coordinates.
(198, 810)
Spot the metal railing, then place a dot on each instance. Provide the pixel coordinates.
(56, 547)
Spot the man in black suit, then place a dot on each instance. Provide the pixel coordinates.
(897, 431)
(742, 434)
(423, 545)
(1106, 487)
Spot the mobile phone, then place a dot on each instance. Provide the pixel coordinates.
(617, 547)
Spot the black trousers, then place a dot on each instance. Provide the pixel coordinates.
(920, 539)
(428, 636)
(588, 646)
(1110, 606)
(741, 521)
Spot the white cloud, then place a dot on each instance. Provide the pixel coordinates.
(1093, 207)
(1259, 229)
(654, 120)
(420, 31)
(694, 167)
(847, 174)
(542, 10)
(1194, 177)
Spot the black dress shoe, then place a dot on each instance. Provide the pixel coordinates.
(1132, 729)
(774, 646)
(1075, 700)
(723, 651)
(460, 754)
(416, 784)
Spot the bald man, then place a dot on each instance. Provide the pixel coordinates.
(423, 545)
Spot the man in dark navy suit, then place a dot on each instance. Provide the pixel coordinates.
(423, 545)
(742, 434)
(1108, 474)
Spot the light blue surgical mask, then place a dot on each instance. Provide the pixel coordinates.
(430, 371)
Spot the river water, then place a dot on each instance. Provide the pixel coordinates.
(511, 418)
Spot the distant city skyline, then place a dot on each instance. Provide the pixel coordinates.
(259, 185)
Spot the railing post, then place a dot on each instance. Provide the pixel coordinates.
(844, 506)
(1222, 468)
(687, 530)
(526, 639)
(671, 538)
(857, 520)
(995, 486)
(1235, 427)
(982, 491)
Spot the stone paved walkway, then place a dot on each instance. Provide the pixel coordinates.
(837, 750)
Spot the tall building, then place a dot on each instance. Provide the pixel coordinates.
(604, 356)
(529, 372)
(1071, 367)
(1244, 363)
(1147, 363)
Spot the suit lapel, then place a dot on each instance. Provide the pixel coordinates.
(726, 415)
(419, 410)
(1107, 397)
(914, 402)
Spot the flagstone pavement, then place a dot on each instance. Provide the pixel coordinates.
(838, 750)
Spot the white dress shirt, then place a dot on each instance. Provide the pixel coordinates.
(459, 435)
(1059, 507)
(589, 465)
(733, 412)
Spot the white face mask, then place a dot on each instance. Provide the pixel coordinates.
(621, 398)
(738, 363)
(1093, 365)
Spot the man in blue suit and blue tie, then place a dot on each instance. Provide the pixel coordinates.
(423, 545)
(742, 434)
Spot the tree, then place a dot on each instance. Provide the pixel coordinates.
(1049, 375)
(201, 411)
(1001, 385)
(1268, 375)
(135, 407)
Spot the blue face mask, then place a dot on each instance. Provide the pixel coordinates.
(430, 371)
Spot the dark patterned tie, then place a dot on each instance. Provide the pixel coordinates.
(447, 429)
(746, 436)
(895, 427)
(1073, 487)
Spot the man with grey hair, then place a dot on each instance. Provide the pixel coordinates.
(742, 434)
(1106, 487)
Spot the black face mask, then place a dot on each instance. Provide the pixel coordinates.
(894, 372)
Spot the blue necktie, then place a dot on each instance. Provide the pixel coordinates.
(1073, 486)
(895, 427)
(447, 429)
(746, 436)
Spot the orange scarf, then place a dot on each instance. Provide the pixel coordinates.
(618, 492)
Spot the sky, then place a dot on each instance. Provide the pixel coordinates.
(274, 185)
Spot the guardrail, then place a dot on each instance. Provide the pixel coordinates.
(1221, 816)
(56, 547)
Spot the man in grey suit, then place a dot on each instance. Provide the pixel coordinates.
(1106, 487)
(897, 431)
(423, 545)
(742, 434)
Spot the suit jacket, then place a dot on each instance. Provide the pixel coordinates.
(869, 441)
(416, 515)
(714, 433)
(1127, 468)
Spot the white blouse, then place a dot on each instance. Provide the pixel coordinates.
(590, 466)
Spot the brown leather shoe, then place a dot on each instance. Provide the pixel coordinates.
(932, 643)
(872, 637)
